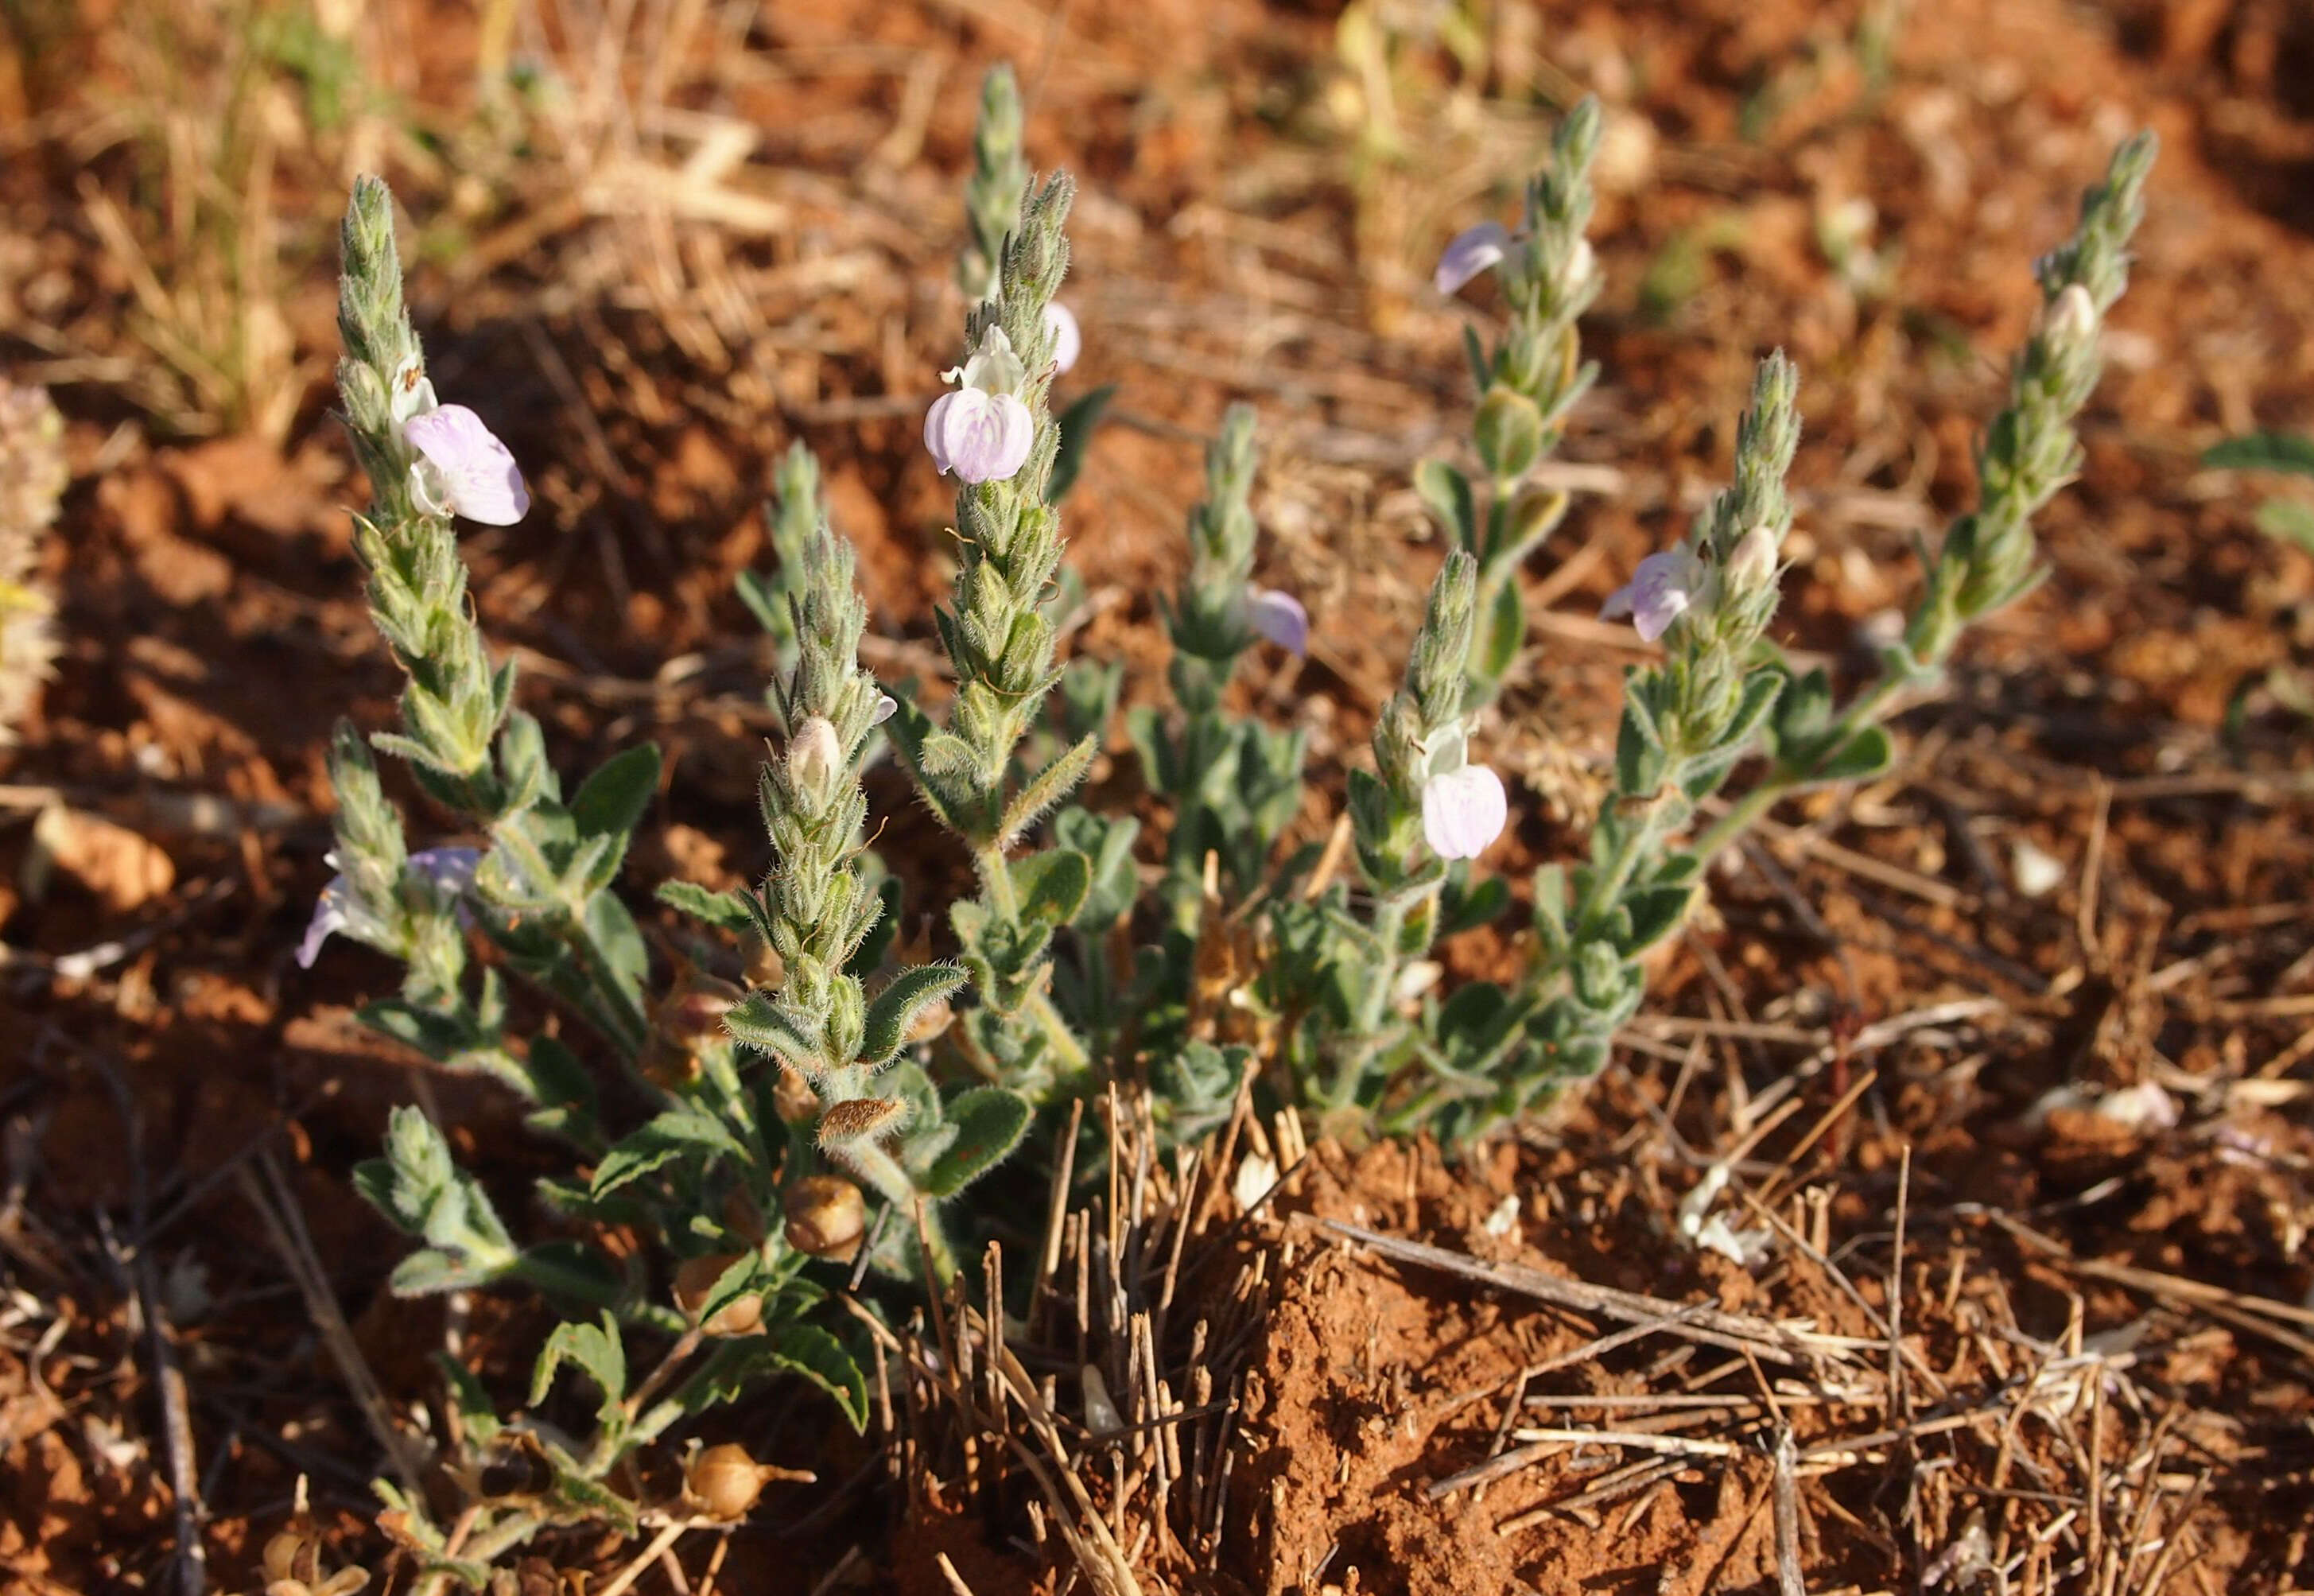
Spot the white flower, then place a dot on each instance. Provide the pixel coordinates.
(1061, 327)
(887, 706)
(1473, 251)
(1463, 811)
(1280, 618)
(462, 468)
(1658, 594)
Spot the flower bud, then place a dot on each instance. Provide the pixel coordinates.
(695, 1282)
(815, 763)
(2070, 321)
(1509, 431)
(826, 1217)
(1582, 262)
(1752, 563)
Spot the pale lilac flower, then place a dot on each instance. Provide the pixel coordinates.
(887, 706)
(1061, 327)
(1473, 251)
(980, 436)
(1280, 618)
(1463, 811)
(1658, 594)
(983, 432)
(335, 911)
(465, 470)
(449, 871)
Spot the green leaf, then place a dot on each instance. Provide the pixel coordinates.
(562, 1090)
(768, 604)
(869, 957)
(1049, 787)
(596, 1349)
(989, 1123)
(823, 1360)
(2288, 521)
(570, 1271)
(760, 1023)
(1146, 731)
(1051, 886)
(582, 1499)
(1107, 841)
(476, 1411)
(1474, 906)
(1447, 492)
(668, 1137)
(1481, 368)
(721, 910)
(621, 940)
(445, 1036)
(1639, 756)
(1550, 908)
(1867, 754)
(611, 802)
(1075, 426)
(2264, 451)
(427, 1272)
(1655, 913)
(1505, 630)
(892, 1010)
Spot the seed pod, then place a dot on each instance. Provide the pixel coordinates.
(743, 1218)
(694, 1281)
(826, 1217)
(666, 1065)
(862, 1119)
(766, 970)
(725, 1481)
(291, 1555)
(792, 1097)
(691, 1017)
